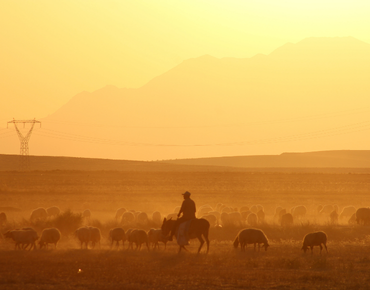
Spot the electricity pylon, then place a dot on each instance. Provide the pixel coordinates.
(24, 152)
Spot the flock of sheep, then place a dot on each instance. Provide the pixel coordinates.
(220, 216)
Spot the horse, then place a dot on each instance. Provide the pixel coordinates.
(198, 228)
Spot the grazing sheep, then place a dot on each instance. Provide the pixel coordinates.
(157, 218)
(155, 236)
(314, 239)
(120, 212)
(261, 216)
(53, 211)
(138, 237)
(3, 218)
(142, 219)
(95, 236)
(334, 217)
(252, 219)
(49, 236)
(128, 217)
(38, 214)
(352, 219)
(117, 235)
(83, 234)
(363, 216)
(327, 209)
(23, 238)
(348, 211)
(251, 236)
(287, 220)
(299, 211)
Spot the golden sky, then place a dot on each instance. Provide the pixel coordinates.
(52, 50)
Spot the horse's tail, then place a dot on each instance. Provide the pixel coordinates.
(236, 242)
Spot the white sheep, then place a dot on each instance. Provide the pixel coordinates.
(38, 214)
(53, 211)
(314, 239)
(251, 236)
(22, 238)
(83, 235)
(155, 236)
(49, 236)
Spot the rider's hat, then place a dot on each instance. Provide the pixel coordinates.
(186, 193)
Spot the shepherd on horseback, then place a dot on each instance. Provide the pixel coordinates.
(187, 210)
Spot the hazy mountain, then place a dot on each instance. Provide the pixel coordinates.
(222, 107)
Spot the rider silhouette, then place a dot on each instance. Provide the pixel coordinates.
(187, 210)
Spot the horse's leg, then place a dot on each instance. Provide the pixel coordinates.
(201, 242)
(205, 235)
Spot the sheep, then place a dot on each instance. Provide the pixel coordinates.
(157, 218)
(314, 239)
(142, 219)
(120, 212)
(252, 219)
(83, 234)
(138, 237)
(49, 236)
(204, 209)
(155, 236)
(352, 219)
(23, 237)
(251, 236)
(261, 216)
(334, 217)
(3, 218)
(348, 211)
(327, 209)
(171, 215)
(86, 214)
(299, 211)
(95, 236)
(128, 217)
(286, 220)
(38, 214)
(244, 208)
(53, 211)
(363, 216)
(116, 235)
(212, 219)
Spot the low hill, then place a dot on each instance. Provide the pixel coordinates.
(320, 162)
(321, 159)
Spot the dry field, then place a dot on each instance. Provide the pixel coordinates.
(283, 266)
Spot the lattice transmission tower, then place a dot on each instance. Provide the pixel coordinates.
(24, 152)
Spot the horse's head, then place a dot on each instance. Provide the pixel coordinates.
(167, 226)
